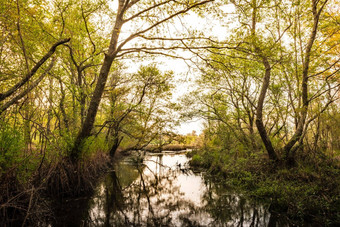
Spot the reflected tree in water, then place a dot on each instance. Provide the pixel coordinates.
(153, 193)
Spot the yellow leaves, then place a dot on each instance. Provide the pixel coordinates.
(331, 28)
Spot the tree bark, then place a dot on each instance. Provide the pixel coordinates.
(304, 85)
(114, 49)
(259, 112)
(265, 84)
(61, 105)
(116, 142)
(88, 123)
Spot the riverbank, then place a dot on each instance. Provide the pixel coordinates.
(168, 147)
(307, 193)
(154, 149)
(28, 195)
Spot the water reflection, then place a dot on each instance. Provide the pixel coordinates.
(162, 191)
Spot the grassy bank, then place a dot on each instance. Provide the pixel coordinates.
(308, 192)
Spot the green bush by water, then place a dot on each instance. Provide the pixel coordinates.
(308, 191)
(11, 143)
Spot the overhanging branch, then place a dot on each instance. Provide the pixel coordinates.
(33, 71)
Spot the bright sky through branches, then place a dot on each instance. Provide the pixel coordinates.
(184, 71)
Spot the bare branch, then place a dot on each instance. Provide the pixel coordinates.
(146, 10)
(27, 90)
(87, 29)
(21, 38)
(34, 70)
(160, 22)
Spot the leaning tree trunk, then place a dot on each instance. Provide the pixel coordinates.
(259, 112)
(265, 84)
(30, 74)
(123, 6)
(88, 123)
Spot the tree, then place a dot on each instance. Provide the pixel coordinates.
(286, 48)
(126, 13)
(138, 107)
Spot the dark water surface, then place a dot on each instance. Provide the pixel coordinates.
(161, 190)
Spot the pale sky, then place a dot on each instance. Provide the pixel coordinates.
(211, 27)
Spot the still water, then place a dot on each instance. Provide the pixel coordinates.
(162, 190)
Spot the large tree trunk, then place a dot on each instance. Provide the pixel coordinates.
(259, 112)
(123, 6)
(265, 84)
(88, 123)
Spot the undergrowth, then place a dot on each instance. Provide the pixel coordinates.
(307, 192)
(32, 179)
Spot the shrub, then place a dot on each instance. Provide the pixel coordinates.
(11, 143)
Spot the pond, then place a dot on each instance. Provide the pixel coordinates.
(161, 190)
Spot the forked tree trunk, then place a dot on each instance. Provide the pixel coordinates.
(304, 86)
(297, 136)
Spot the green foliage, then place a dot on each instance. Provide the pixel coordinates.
(90, 146)
(93, 145)
(139, 110)
(301, 192)
(197, 160)
(11, 146)
(136, 108)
